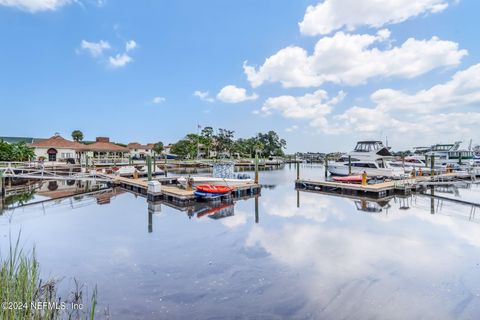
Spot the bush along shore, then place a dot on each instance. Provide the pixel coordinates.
(25, 295)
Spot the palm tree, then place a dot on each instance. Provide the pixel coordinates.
(77, 135)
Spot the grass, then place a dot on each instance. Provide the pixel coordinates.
(24, 295)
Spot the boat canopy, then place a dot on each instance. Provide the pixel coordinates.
(368, 146)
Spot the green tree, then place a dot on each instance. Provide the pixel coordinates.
(15, 152)
(206, 138)
(273, 145)
(158, 147)
(224, 142)
(77, 135)
(186, 148)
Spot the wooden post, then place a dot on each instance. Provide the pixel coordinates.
(2, 186)
(154, 162)
(86, 160)
(326, 166)
(298, 171)
(256, 167)
(364, 178)
(349, 165)
(432, 164)
(149, 168)
(298, 198)
(165, 166)
(460, 157)
(256, 210)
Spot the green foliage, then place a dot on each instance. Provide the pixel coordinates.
(21, 285)
(15, 151)
(77, 135)
(187, 147)
(272, 144)
(158, 147)
(224, 144)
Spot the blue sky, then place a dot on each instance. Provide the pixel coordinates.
(407, 73)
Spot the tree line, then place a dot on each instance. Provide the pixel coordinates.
(223, 144)
(15, 151)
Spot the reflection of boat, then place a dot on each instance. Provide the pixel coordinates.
(369, 156)
(214, 210)
(371, 206)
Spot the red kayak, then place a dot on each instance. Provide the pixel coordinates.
(351, 179)
(209, 188)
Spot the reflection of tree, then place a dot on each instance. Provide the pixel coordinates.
(20, 198)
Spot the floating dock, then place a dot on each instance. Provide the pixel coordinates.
(378, 190)
(171, 192)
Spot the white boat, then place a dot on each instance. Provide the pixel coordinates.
(371, 157)
(128, 171)
(450, 154)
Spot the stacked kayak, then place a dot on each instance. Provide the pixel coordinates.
(210, 191)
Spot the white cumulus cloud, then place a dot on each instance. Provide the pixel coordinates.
(331, 15)
(203, 95)
(233, 94)
(119, 60)
(311, 106)
(130, 45)
(158, 100)
(94, 48)
(352, 59)
(35, 5)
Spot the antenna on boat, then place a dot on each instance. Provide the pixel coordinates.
(470, 145)
(386, 141)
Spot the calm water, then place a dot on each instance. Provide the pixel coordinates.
(329, 258)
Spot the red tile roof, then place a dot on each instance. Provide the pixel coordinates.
(105, 146)
(57, 142)
(136, 145)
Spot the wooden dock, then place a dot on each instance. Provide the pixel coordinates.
(376, 190)
(172, 192)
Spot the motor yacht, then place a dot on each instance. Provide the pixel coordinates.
(371, 157)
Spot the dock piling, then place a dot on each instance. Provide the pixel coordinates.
(256, 167)
(149, 168)
(432, 165)
(326, 166)
(349, 165)
(298, 171)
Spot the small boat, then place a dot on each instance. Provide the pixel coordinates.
(209, 188)
(207, 195)
(350, 179)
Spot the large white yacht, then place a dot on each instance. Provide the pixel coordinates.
(369, 156)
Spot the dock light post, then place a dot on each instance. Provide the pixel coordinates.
(149, 168)
(349, 165)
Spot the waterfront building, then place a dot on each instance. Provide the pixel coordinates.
(140, 151)
(57, 148)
